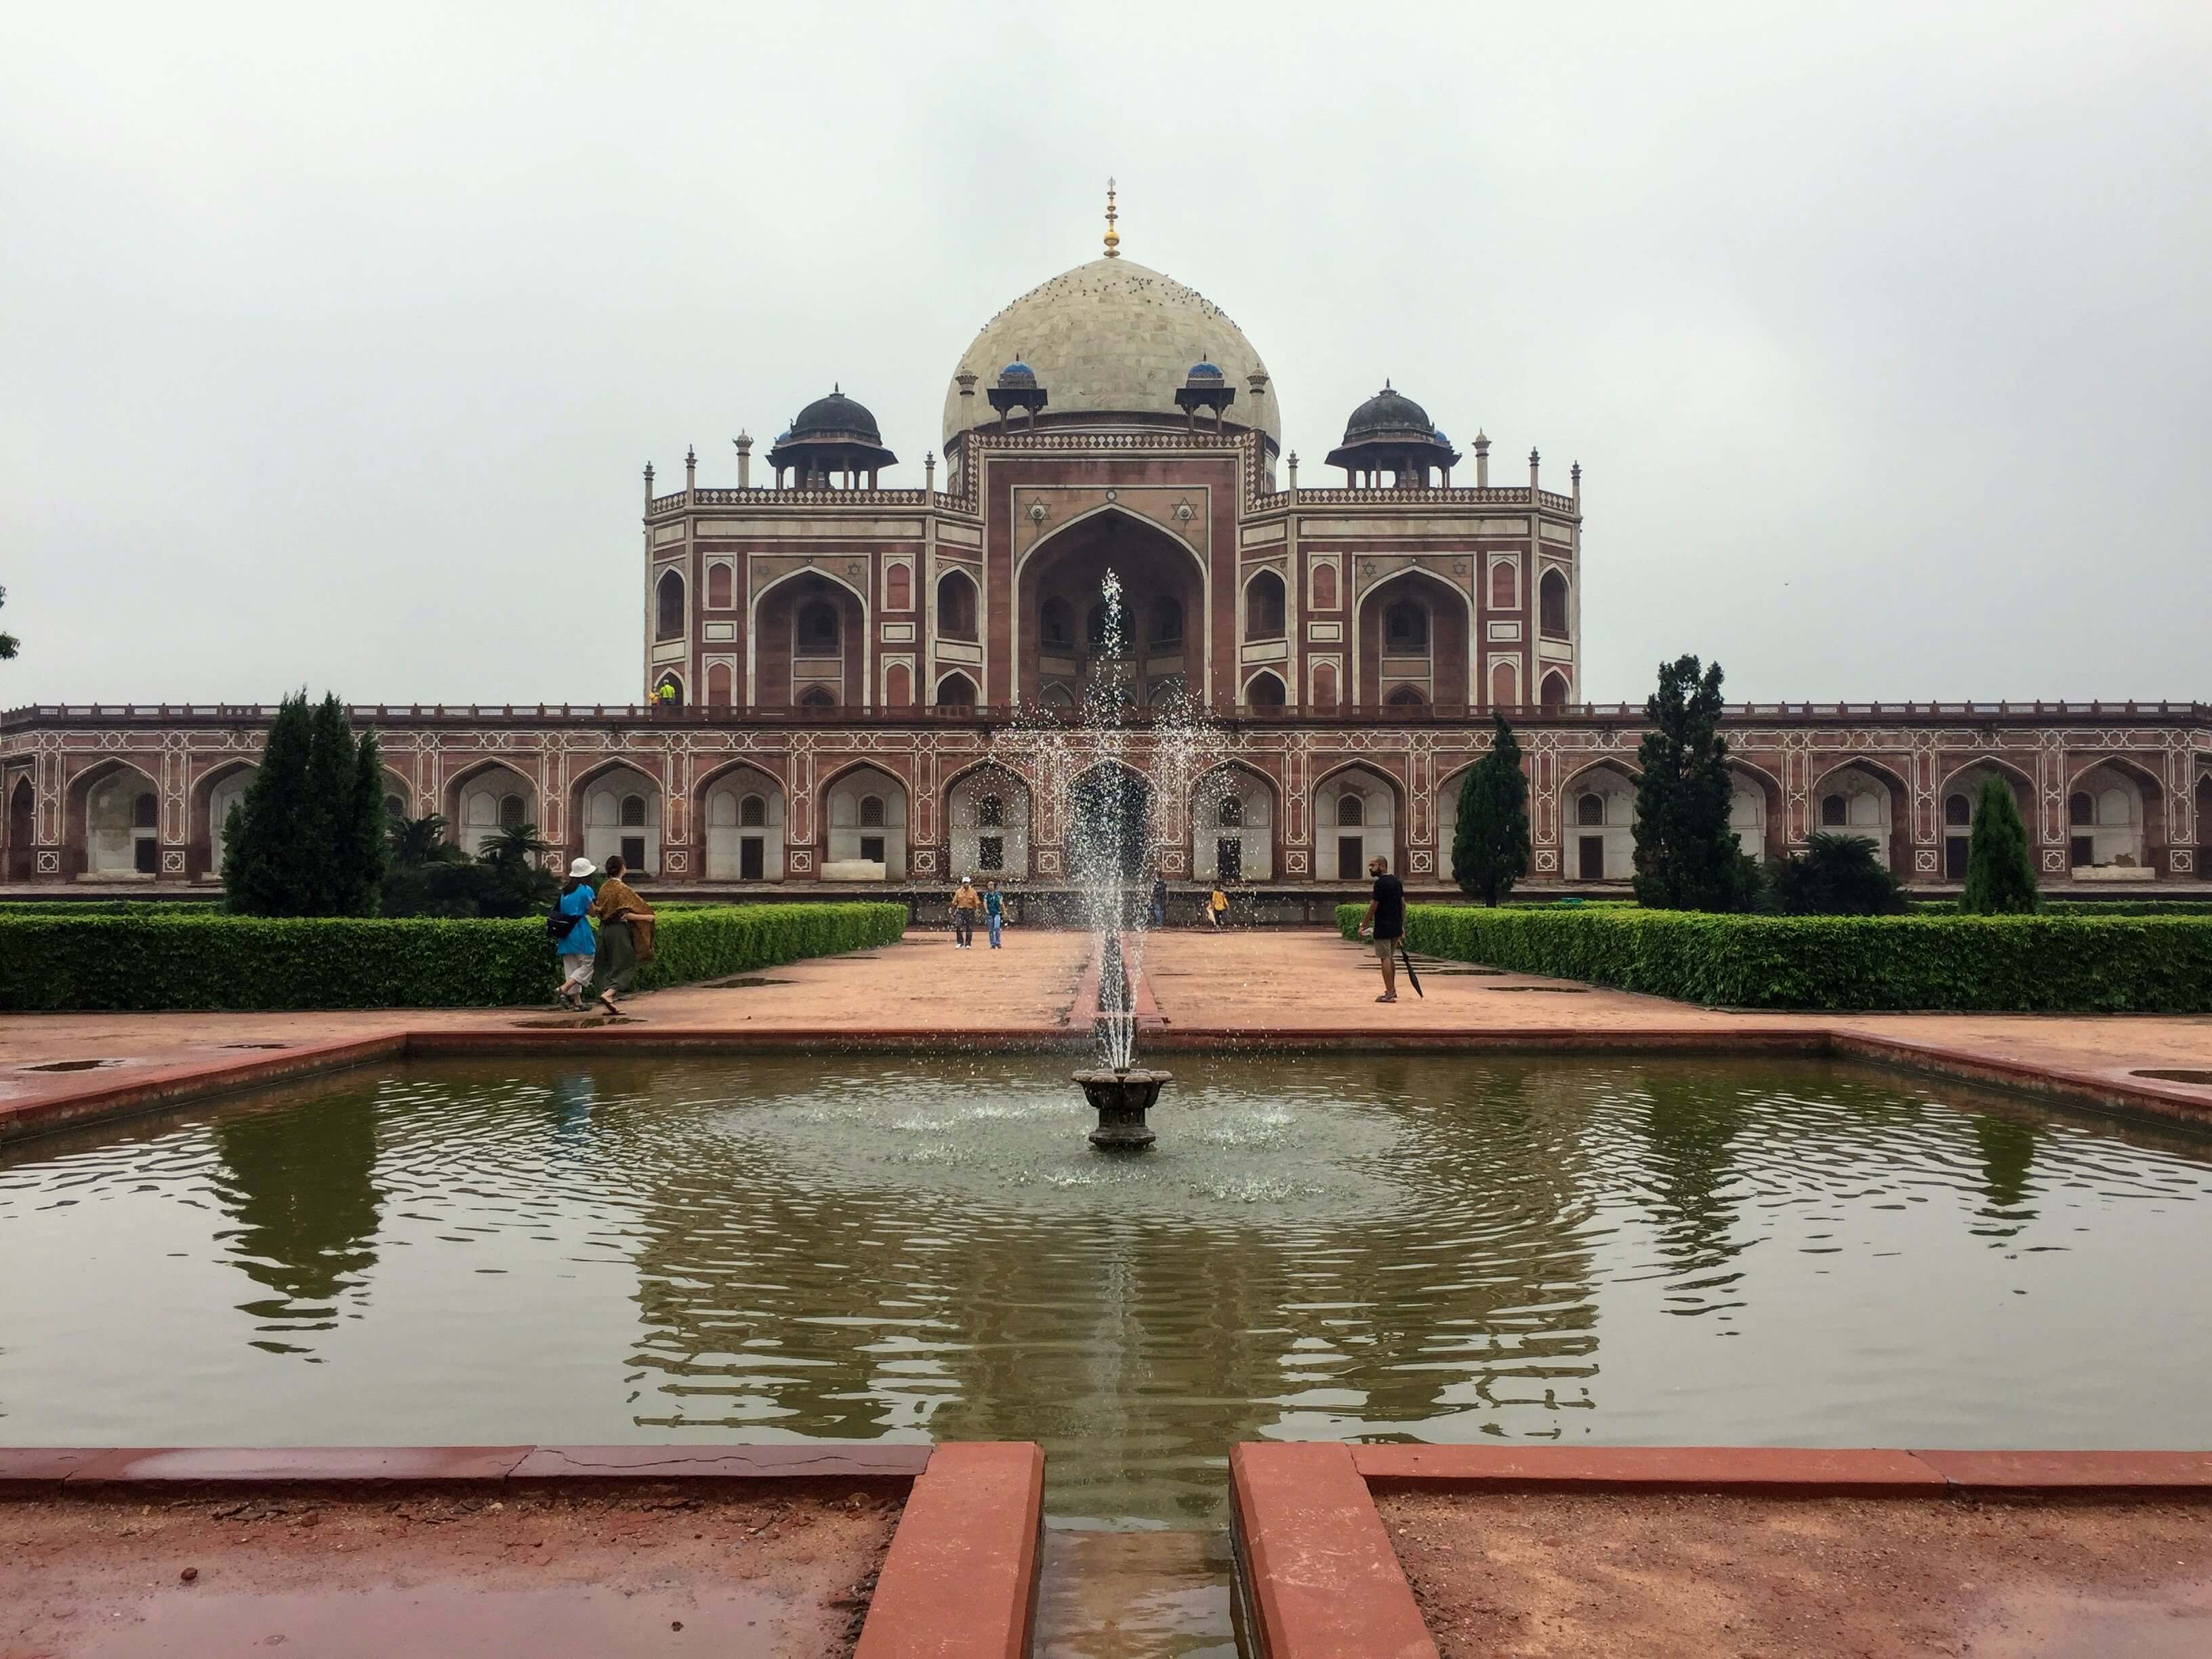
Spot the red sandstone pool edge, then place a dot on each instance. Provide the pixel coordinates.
(1318, 1576)
(162, 1087)
(958, 1582)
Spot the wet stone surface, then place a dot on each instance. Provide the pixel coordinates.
(649, 1570)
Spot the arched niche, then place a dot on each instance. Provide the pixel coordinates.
(956, 691)
(22, 808)
(1355, 819)
(809, 639)
(116, 812)
(484, 801)
(1959, 803)
(987, 813)
(1554, 692)
(1755, 811)
(742, 809)
(958, 605)
(618, 810)
(1267, 606)
(668, 606)
(1265, 690)
(1057, 592)
(865, 827)
(1866, 800)
(2115, 815)
(1232, 818)
(218, 792)
(1597, 824)
(1414, 633)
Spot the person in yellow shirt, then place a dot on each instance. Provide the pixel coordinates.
(1217, 909)
(965, 904)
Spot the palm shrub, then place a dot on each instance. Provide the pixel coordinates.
(1490, 836)
(2000, 869)
(1837, 875)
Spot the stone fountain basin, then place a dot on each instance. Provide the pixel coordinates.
(1122, 1096)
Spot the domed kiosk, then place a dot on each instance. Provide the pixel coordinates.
(1390, 433)
(831, 436)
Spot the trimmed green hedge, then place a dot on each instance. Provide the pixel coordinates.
(52, 964)
(2026, 964)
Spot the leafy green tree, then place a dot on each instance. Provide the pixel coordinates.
(1686, 855)
(2000, 869)
(307, 839)
(1837, 875)
(1489, 837)
(8, 642)
(419, 841)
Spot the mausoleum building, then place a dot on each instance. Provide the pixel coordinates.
(825, 664)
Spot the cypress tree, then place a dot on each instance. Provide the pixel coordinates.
(307, 840)
(2000, 869)
(1686, 855)
(1489, 837)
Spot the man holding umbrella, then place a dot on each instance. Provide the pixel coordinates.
(1386, 920)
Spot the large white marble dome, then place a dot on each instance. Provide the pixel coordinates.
(1112, 337)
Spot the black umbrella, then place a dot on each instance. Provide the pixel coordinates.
(1412, 978)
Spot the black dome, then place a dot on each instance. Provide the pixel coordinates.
(837, 415)
(1389, 414)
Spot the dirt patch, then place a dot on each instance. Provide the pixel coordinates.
(1542, 1576)
(643, 1570)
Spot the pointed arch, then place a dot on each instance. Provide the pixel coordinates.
(1265, 689)
(1266, 604)
(476, 799)
(753, 614)
(615, 807)
(1556, 690)
(740, 821)
(668, 605)
(1346, 839)
(959, 606)
(1451, 652)
(1878, 812)
(989, 815)
(956, 691)
(219, 788)
(1234, 813)
(105, 838)
(863, 820)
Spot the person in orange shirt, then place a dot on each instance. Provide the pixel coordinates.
(625, 924)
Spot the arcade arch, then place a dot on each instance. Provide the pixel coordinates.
(1058, 605)
(1414, 631)
(808, 640)
(1959, 802)
(1233, 827)
(619, 809)
(2111, 818)
(988, 811)
(743, 810)
(1597, 824)
(1861, 800)
(219, 793)
(865, 827)
(485, 800)
(1355, 819)
(118, 813)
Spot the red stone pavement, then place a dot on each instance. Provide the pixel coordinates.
(1280, 985)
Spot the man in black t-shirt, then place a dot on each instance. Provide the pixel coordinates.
(1386, 920)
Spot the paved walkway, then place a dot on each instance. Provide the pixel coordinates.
(1280, 984)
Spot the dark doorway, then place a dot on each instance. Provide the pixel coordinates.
(1954, 857)
(1349, 849)
(1590, 858)
(633, 853)
(871, 848)
(1109, 813)
(752, 859)
(21, 807)
(1229, 859)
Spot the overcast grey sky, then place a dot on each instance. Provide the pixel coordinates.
(332, 343)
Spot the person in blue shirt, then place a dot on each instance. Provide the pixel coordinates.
(579, 944)
(994, 910)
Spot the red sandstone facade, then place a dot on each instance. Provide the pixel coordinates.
(833, 675)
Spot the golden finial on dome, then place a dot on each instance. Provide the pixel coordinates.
(1113, 240)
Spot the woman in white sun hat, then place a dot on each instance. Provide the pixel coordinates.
(574, 937)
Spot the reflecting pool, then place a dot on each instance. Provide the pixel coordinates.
(1680, 1250)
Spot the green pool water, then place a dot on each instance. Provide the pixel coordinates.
(1685, 1251)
